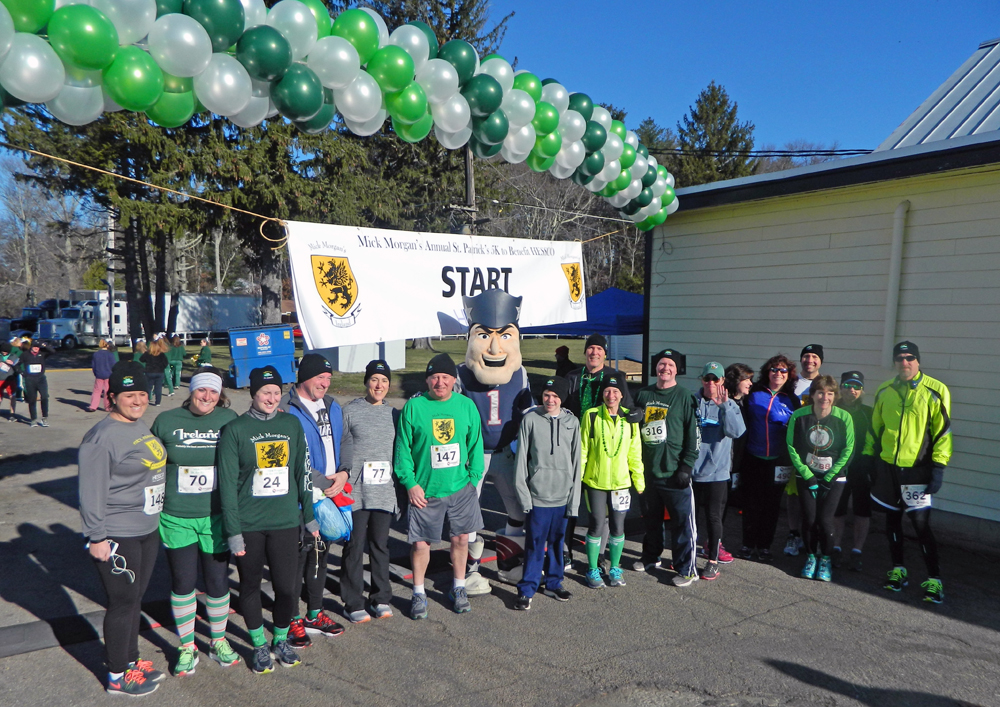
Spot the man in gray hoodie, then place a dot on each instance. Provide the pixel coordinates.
(547, 480)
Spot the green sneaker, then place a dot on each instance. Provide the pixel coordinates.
(823, 573)
(616, 577)
(809, 570)
(895, 579)
(594, 580)
(933, 590)
(187, 659)
(223, 653)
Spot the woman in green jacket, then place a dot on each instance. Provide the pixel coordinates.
(611, 457)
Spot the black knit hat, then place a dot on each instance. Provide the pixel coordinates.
(5, 347)
(596, 340)
(127, 376)
(615, 380)
(852, 377)
(905, 347)
(679, 359)
(813, 349)
(312, 365)
(559, 386)
(259, 377)
(378, 366)
(441, 363)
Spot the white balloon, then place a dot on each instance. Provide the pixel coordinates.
(633, 189)
(636, 217)
(360, 100)
(673, 206)
(654, 206)
(518, 107)
(613, 148)
(64, 3)
(659, 186)
(670, 179)
(335, 61)
(571, 155)
(272, 110)
(439, 80)
(560, 172)
(224, 87)
(572, 126)
(612, 168)
(76, 105)
(453, 114)
(513, 157)
(83, 78)
(414, 42)
(521, 140)
(500, 70)
(651, 162)
(557, 95)
(367, 127)
(639, 167)
(618, 200)
(109, 103)
(32, 71)
(297, 24)
(255, 14)
(595, 184)
(261, 89)
(7, 30)
(455, 140)
(632, 139)
(602, 117)
(254, 113)
(132, 18)
(383, 31)
(180, 45)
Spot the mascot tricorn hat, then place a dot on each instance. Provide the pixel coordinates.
(492, 309)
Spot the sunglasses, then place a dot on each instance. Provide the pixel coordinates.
(779, 370)
(908, 358)
(852, 386)
(710, 378)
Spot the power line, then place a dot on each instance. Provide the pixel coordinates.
(762, 153)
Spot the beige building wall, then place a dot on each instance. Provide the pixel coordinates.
(742, 282)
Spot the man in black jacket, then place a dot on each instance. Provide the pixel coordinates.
(36, 385)
(585, 383)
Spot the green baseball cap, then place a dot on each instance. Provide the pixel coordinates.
(713, 368)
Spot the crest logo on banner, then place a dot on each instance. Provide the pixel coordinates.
(444, 430)
(338, 288)
(574, 277)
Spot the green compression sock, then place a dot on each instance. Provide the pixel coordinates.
(593, 551)
(257, 637)
(615, 547)
(280, 634)
(313, 614)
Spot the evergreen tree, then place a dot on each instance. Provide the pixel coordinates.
(720, 142)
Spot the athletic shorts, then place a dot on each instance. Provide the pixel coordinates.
(461, 509)
(8, 387)
(180, 532)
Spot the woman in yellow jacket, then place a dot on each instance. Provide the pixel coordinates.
(611, 456)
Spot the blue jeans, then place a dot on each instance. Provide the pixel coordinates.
(543, 527)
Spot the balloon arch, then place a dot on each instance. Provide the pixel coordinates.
(174, 58)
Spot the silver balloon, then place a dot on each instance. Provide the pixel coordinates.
(557, 95)
(618, 200)
(255, 13)
(261, 89)
(32, 71)
(82, 78)
(109, 103)
(670, 180)
(612, 168)
(383, 31)
(659, 186)
(360, 100)
(335, 61)
(132, 18)
(595, 185)
(636, 217)
(76, 105)
(632, 139)
(639, 167)
(272, 110)
(513, 157)
(633, 189)
(368, 127)
(64, 3)
(6, 30)
(572, 126)
(439, 80)
(453, 114)
(224, 87)
(297, 24)
(673, 206)
(651, 162)
(500, 70)
(521, 140)
(654, 206)
(560, 172)
(571, 155)
(518, 107)
(180, 45)
(414, 42)
(455, 140)
(602, 117)
(254, 113)
(613, 148)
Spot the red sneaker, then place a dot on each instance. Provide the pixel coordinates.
(724, 556)
(323, 624)
(297, 636)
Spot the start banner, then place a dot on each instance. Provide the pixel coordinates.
(364, 285)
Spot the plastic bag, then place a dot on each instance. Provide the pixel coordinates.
(335, 522)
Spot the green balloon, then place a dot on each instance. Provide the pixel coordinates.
(628, 156)
(609, 190)
(9, 101)
(659, 217)
(546, 82)
(492, 129)
(645, 225)
(537, 163)
(415, 132)
(484, 94)
(581, 177)
(661, 171)
(530, 84)
(323, 21)
(264, 53)
(169, 7)
(642, 150)
(83, 36)
(319, 122)
(581, 103)
(668, 196)
(298, 95)
(172, 110)
(462, 56)
(548, 145)
(649, 177)
(432, 41)
(623, 180)
(133, 80)
(407, 106)
(619, 129)
(482, 150)
(392, 68)
(30, 15)
(631, 207)
(358, 28)
(595, 137)
(645, 198)
(176, 84)
(593, 164)
(222, 19)
(546, 118)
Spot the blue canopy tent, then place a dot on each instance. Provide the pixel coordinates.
(613, 312)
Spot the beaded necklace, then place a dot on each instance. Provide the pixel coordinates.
(621, 439)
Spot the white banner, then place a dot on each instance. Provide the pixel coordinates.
(364, 285)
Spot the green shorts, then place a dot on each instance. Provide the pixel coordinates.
(180, 532)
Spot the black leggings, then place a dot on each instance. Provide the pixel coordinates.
(155, 381)
(817, 515)
(711, 496)
(34, 388)
(312, 575)
(599, 507)
(184, 563)
(280, 548)
(921, 520)
(121, 620)
(761, 501)
(371, 534)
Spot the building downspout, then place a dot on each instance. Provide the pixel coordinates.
(895, 274)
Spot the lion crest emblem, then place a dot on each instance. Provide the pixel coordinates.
(337, 287)
(444, 430)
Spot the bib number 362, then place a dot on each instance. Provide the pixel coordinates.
(915, 496)
(271, 482)
(445, 456)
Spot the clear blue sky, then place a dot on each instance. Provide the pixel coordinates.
(846, 71)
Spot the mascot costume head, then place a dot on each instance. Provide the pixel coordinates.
(494, 351)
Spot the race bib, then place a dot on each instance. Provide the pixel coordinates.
(270, 482)
(377, 473)
(914, 495)
(782, 474)
(34, 368)
(154, 499)
(445, 456)
(816, 463)
(654, 432)
(196, 479)
(621, 500)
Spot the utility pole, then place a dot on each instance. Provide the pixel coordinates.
(110, 247)
(469, 207)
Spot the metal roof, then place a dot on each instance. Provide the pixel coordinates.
(968, 103)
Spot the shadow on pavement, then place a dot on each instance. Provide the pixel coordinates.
(37, 461)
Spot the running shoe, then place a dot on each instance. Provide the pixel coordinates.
(683, 580)
(223, 653)
(616, 577)
(418, 607)
(854, 564)
(793, 544)
(323, 625)
(187, 659)
(568, 560)
(285, 654)
(766, 556)
(357, 617)
(34, 423)
(837, 557)
(146, 666)
(933, 590)
(895, 579)
(382, 611)
(262, 662)
(522, 603)
(823, 573)
(809, 570)
(297, 635)
(132, 683)
(725, 557)
(459, 600)
(594, 580)
(746, 553)
(43, 422)
(710, 572)
(559, 594)
(643, 566)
